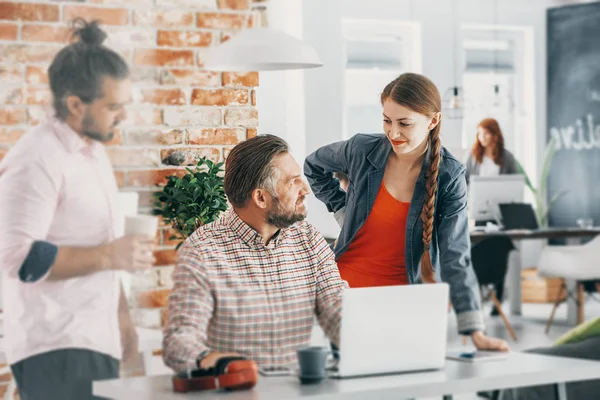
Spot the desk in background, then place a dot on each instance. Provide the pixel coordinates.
(457, 377)
(573, 236)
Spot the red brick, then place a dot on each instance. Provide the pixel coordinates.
(249, 79)
(218, 136)
(138, 3)
(35, 74)
(8, 31)
(190, 77)
(23, 53)
(153, 299)
(10, 136)
(184, 39)
(254, 97)
(10, 74)
(234, 4)
(108, 16)
(145, 76)
(192, 116)
(197, 4)
(188, 156)
(163, 19)
(221, 97)
(130, 37)
(11, 95)
(157, 177)
(12, 116)
(145, 116)
(45, 33)
(163, 96)
(247, 117)
(167, 137)
(164, 57)
(250, 133)
(165, 257)
(126, 157)
(39, 95)
(213, 20)
(29, 11)
(120, 178)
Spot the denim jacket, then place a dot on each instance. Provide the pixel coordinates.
(363, 158)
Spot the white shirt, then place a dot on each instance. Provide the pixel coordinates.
(488, 167)
(56, 187)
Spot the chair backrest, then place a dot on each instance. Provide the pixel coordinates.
(490, 259)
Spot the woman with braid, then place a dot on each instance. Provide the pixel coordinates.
(404, 216)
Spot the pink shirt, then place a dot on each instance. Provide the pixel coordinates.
(56, 187)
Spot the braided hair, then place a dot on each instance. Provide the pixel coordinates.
(420, 94)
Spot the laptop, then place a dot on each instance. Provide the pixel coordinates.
(518, 216)
(393, 329)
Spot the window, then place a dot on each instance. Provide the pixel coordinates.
(376, 52)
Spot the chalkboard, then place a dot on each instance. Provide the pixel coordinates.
(573, 113)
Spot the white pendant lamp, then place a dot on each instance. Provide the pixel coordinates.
(262, 49)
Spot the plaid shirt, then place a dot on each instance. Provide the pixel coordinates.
(234, 293)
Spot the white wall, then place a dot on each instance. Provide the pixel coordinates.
(323, 93)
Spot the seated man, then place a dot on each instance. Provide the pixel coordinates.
(252, 282)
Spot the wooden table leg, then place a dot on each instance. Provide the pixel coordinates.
(580, 303)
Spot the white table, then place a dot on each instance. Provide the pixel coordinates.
(573, 236)
(520, 369)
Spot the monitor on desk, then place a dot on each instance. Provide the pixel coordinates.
(487, 192)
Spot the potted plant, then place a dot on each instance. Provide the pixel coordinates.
(542, 207)
(192, 200)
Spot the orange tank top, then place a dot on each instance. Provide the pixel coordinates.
(376, 255)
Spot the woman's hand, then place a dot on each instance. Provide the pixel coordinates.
(483, 342)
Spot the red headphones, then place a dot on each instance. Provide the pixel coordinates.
(232, 373)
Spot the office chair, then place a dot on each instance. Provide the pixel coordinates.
(490, 262)
(577, 263)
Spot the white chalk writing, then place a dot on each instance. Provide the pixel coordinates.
(577, 136)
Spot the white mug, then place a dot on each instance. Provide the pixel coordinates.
(141, 225)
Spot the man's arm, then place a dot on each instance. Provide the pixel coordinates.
(190, 310)
(330, 287)
(29, 195)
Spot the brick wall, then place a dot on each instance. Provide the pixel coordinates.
(180, 112)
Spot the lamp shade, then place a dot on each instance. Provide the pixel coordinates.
(262, 49)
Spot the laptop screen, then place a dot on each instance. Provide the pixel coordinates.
(518, 216)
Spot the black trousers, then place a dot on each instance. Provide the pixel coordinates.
(63, 374)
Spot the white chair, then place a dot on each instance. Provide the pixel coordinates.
(577, 263)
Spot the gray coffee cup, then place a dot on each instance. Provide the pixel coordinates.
(313, 361)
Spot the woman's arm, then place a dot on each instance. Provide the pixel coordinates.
(319, 168)
(455, 255)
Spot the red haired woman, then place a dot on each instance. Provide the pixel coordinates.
(488, 156)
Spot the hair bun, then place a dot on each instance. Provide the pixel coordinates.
(89, 32)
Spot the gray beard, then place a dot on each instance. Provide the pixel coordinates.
(279, 218)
